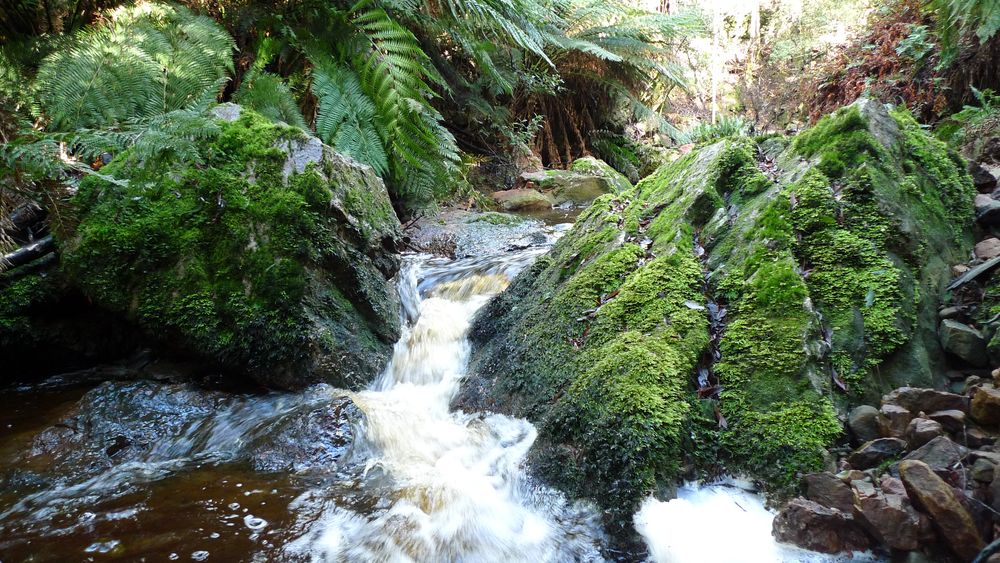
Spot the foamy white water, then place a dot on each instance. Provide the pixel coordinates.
(723, 522)
(459, 491)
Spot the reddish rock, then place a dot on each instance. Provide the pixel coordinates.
(977, 438)
(895, 419)
(986, 406)
(813, 526)
(951, 420)
(988, 249)
(891, 485)
(828, 490)
(916, 399)
(922, 430)
(932, 495)
(889, 518)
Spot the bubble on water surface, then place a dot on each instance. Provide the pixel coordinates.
(254, 523)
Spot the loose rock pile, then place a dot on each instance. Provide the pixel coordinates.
(921, 481)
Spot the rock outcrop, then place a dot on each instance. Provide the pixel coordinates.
(724, 309)
(262, 253)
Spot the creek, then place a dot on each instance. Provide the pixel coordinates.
(157, 470)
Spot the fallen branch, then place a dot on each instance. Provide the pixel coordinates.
(28, 253)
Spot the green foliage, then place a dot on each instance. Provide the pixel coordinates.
(148, 60)
(959, 18)
(917, 45)
(268, 95)
(346, 118)
(725, 126)
(970, 128)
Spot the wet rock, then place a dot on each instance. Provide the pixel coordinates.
(932, 495)
(812, 526)
(987, 249)
(956, 313)
(977, 438)
(916, 399)
(875, 452)
(522, 199)
(964, 342)
(941, 454)
(313, 436)
(986, 406)
(865, 423)
(952, 420)
(982, 470)
(889, 517)
(987, 210)
(828, 490)
(922, 430)
(895, 420)
(981, 178)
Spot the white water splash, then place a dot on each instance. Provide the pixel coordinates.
(459, 489)
(723, 522)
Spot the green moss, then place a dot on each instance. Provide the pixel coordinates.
(219, 255)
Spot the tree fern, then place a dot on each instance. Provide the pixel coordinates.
(346, 117)
(269, 96)
(964, 17)
(148, 60)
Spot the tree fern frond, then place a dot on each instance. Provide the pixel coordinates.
(269, 96)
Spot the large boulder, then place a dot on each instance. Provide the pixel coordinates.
(815, 527)
(587, 179)
(964, 342)
(259, 250)
(831, 262)
(937, 499)
(522, 199)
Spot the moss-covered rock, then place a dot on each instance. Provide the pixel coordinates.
(266, 254)
(586, 180)
(830, 266)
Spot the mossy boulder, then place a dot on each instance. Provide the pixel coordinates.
(829, 266)
(587, 179)
(265, 254)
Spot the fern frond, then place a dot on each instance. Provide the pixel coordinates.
(269, 96)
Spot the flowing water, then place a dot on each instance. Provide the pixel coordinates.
(146, 470)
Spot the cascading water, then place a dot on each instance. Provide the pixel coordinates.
(143, 469)
(458, 489)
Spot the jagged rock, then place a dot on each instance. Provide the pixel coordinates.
(982, 470)
(267, 254)
(916, 399)
(964, 342)
(977, 438)
(812, 526)
(988, 249)
(932, 495)
(875, 452)
(522, 199)
(828, 490)
(987, 210)
(940, 453)
(889, 517)
(921, 431)
(895, 420)
(891, 485)
(986, 406)
(981, 177)
(952, 420)
(865, 423)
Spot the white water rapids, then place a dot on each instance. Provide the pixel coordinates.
(459, 491)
